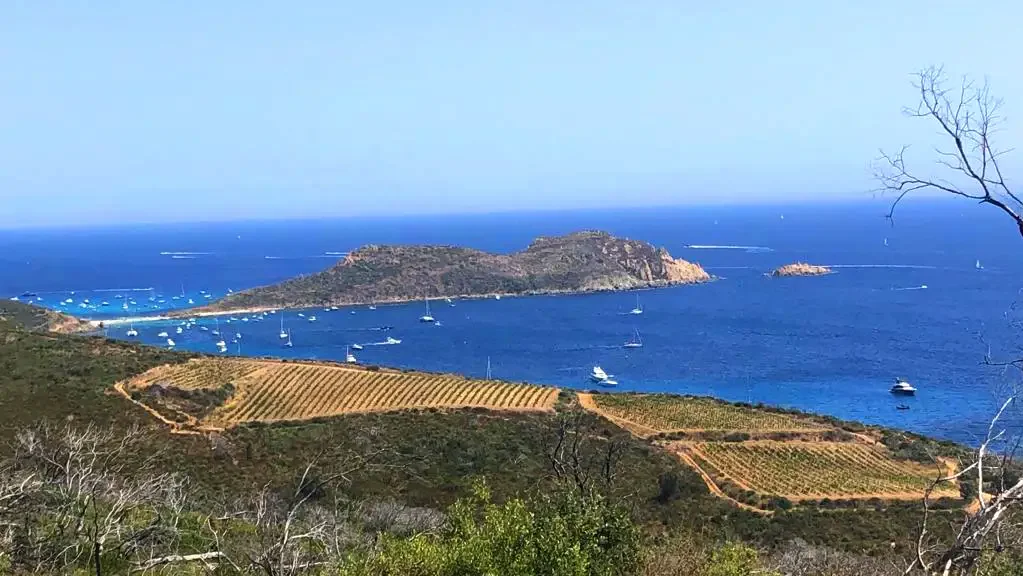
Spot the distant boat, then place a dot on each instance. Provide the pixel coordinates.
(978, 266)
(103, 303)
(301, 315)
(333, 307)
(237, 335)
(311, 318)
(427, 317)
(204, 329)
(132, 332)
(356, 346)
(636, 341)
(598, 374)
(288, 343)
(349, 357)
(902, 407)
(283, 334)
(392, 341)
(179, 330)
(903, 388)
(886, 241)
(371, 307)
(161, 335)
(69, 301)
(222, 344)
(190, 301)
(488, 367)
(638, 309)
(170, 343)
(497, 296)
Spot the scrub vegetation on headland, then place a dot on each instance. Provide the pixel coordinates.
(580, 262)
(427, 482)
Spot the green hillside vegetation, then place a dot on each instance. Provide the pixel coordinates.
(389, 475)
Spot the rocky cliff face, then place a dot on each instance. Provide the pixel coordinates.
(580, 262)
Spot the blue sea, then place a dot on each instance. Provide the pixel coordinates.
(907, 300)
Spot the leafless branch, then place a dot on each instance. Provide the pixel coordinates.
(968, 117)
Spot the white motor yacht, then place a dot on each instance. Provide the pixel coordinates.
(598, 374)
(903, 388)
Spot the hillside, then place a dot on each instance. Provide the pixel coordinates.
(36, 318)
(579, 262)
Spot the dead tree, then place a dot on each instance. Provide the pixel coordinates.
(968, 165)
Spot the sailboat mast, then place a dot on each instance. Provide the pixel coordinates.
(488, 367)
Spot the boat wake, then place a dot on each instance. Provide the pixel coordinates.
(182, 257)
(920, 287)
(298, 257)
(897, 266)
(186, 253)
(335, 253)
(728, 247)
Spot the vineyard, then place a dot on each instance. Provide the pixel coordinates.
(269, 391)
(814, 470)
(650, 414)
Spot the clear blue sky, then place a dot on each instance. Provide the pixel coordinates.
(185, 110)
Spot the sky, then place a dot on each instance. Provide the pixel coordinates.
(196, 110)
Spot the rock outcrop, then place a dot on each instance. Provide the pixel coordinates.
(801, 269)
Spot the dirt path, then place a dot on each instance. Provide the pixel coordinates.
(175, 427)
(714, 489)
(636, 429)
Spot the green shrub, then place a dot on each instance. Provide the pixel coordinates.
(570, 534)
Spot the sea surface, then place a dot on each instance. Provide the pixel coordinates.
(917, 308)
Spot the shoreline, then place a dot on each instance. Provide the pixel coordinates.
(201, 313)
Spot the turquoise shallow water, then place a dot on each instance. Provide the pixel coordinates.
(830, 344)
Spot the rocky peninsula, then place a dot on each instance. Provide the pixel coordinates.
(586, 261)
(800, 269)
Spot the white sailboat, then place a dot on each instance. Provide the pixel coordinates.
(426, 317)
(392, 341)
(132, 332)
(638, 309)
(311, 318)
(216, 330)
(170, 343)
(978, 266)
(886, 241)
(289, 343)
(349, 357)
(488, 368)
(162, 335)
(356, 346)
(283, 334)
(636, 341)
(179, 330)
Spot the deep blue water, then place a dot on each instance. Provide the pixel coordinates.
(831, 344)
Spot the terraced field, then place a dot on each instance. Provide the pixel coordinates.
(268, 391)
(650, 414)
(814, 470)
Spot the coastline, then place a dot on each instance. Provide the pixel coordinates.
(202, 313)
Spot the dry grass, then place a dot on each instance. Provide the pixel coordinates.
(649, 414)
(814, 470)
(270, 391)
